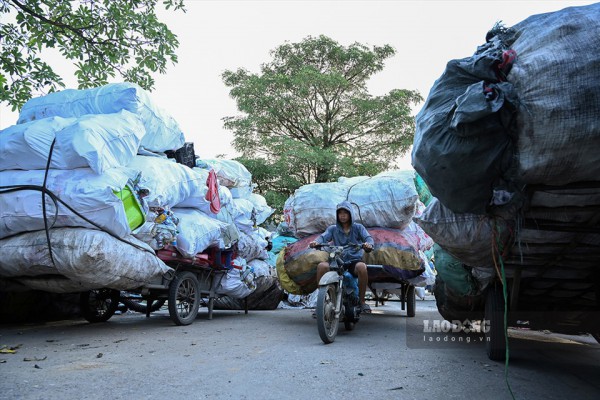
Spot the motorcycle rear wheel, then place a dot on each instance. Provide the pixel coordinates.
(327, 322)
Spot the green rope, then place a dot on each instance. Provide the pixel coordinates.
(505, 294)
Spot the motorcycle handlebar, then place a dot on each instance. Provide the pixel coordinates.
(319, 246)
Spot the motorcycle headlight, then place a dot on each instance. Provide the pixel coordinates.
(332, 254)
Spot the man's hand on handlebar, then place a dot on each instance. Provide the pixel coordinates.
(312, 245)
(368, 247)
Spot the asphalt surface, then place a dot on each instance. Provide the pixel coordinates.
(278, 355)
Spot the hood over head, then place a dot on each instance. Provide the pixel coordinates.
(344, 205)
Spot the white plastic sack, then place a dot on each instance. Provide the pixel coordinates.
(232, 285)
(251, 247)
(89, 194)
(241, 192)
(96, 141)
(311, 209)
(161, 130)
(261, 208)
(197, 231)
(261, 268)
(88, 259)
(170, 183)
(26, 146)
(230, 173)
(244, 215)
(224, 193)
(386, 200)
(353, 180)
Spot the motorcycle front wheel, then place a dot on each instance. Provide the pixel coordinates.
(327, 322)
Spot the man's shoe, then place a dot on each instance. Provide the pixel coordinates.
(365, 308)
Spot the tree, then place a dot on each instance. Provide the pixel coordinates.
(102, 37)
(307, 117)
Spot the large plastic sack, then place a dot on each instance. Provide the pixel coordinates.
(161, 130)
(262, 210)
(252, 246)
(311, 209)
(197, 231)
(244, 215)
(386, 200)
(454, 274)
(260, 267)
(91, 195)
(284, 279)
(392, 250)
(97, 141)
(416, 236)
(170, 184)
(459, 166)
(556, 78)
(470, 238)
(278, 242)
(84, 259)
(230, 173)
(544, 132)
(235, 285)
(300, 264)
(27, 146)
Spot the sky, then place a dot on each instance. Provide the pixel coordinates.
(226, 35)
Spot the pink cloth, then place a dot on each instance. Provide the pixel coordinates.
(212, 195)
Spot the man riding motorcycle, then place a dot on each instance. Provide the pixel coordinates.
(345, 232)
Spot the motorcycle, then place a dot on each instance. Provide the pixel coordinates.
(337, 295)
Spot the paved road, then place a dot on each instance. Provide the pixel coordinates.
(278, 355)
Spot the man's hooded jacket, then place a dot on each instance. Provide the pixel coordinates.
(357, 235)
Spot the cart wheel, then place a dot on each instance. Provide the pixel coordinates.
(411, 301)
(495, 341)
(99, 305)
(141, 305)
(184, 298)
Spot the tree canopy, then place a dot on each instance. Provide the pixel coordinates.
(308, 117)
(103, 38)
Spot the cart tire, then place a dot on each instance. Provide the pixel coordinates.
(184, 298)
(411, 301)
(141, 305)
(327, 323)
(99, 305)
(495, 341)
